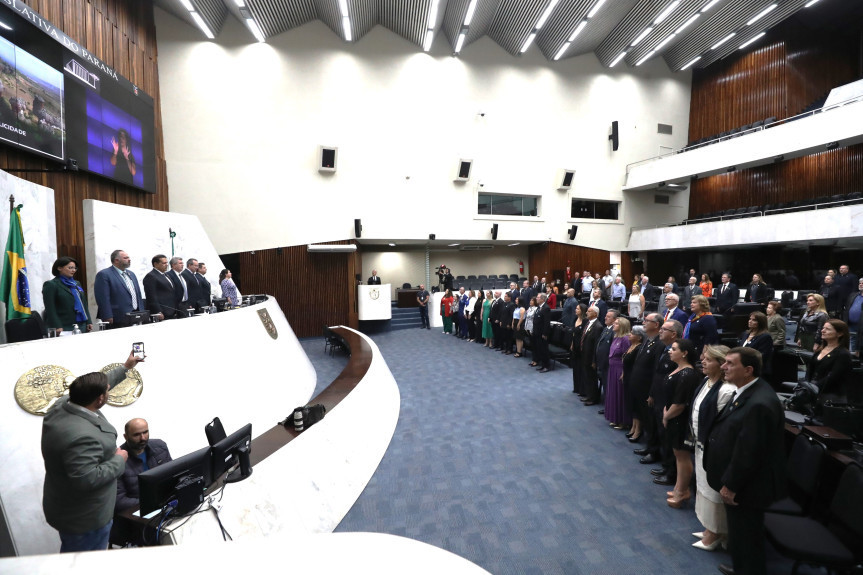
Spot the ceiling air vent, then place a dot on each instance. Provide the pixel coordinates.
(476, 248)
(663, 129)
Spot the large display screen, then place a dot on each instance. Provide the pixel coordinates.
(61, 102)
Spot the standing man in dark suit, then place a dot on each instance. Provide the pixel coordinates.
(691, 290)
(744, 458)
(375, 280)
(206, 291)
(832, 296)
(181, 290)
(117, 291)
(541, 332)
(524, 296)
(646, 288)
(193, 284)
(601, 306)
(673, 311)
(159, 289)
(670, 332)
(589, 339)
(506, 332)
(727, 294)
(646, 364)
(494, 318)
(603, 346)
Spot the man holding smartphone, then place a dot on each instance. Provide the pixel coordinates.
(82, 461)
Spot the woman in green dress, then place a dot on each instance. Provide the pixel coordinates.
(65, 302)
(487, 334)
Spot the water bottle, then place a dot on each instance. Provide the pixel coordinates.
(75, 329)
(298, 419)
(212, 308)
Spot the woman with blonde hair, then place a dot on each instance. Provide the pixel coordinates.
(810, 323)
(710, 398)
(701, 327)
(617, 410)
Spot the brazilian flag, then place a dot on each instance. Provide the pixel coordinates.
(14, 288)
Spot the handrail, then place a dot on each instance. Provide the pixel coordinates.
(745, 132)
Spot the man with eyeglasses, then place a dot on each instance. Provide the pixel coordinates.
(646, 362)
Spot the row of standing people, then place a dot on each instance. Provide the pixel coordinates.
(169, 290)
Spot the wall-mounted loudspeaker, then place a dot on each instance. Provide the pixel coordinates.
(572, 231)
(463, 171)
(327, 158)
(431, 236)
(358, 228)
(564, 179)
(614, 136)
(494, 231)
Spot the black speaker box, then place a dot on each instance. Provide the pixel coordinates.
(572, 231)
(358, 228)
(431, 236)
(494, 231)
(614, 136)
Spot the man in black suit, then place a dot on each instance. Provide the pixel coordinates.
(375, 280)
(589, 339)
(727, 294)
(745, 458)
(541, 333)
(206, 290)
(847, 283)
(506, 333)
(691, 290)
(181, 290)
(603, 346)
(159, 290)
(853, 316)
(495, 317)
(524, 296)
(601, 306)
(193, 285)
(646, 364)
(646, 288)
(832, 296)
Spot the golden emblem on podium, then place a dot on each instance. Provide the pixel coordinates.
(264, 315)
(38, 389)
(127, 391)
(374, 293)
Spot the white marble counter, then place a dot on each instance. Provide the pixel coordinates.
(320, 554)
(224, 365)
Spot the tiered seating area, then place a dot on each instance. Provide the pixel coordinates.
(734, 133)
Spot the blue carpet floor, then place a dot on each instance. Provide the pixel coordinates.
(505, 467)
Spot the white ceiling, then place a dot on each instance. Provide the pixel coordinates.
(608, 33)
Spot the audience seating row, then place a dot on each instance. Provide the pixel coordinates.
(734, 133)
(780, 208)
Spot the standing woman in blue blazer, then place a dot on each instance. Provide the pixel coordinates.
(65, 302)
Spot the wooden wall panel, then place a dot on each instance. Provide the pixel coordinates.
(122, 34)
(824, 174)
(796, 66)
(551, 258)
(313, 290)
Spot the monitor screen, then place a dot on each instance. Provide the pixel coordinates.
(231, 450)
(158, 486)
(59, 101)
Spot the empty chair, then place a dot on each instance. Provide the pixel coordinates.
(757, 124)
(406, 285)
(838, 544)
(822, 200)
(804, 468)
(482, 277)
(29, 329)
(471, 277)
(854, 198)
(769, 120)
(746, 127)
(460, 278)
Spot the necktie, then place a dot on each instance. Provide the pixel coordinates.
(723, 288)
(667, 313)
(185, 289)
(131, 289)
(169, 280)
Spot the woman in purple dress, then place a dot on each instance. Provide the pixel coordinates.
(617, 408)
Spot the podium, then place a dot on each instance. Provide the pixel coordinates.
(373, 302)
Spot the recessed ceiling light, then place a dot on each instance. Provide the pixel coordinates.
(452, 245)
(392, 245)
(723, 41)
(762, 14)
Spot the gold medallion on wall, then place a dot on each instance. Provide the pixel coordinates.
(38, 389)
(264, 315)
(127, 391)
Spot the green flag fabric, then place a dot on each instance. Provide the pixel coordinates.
(13, 284)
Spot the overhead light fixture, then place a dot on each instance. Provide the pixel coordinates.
(202, 25)
(433, 13)
(642, 36)
(512, 245)
(5, 26)
(471, 8)
(723, 41)
(778, 159)
(693, 61)
(428, 40)
(832, 145)
(731, 169)
(664, 42)
(187, 5)
(343, 7)
(686, 24)
(665, 13)
(748, 42)
(346, 27)
(562, 51)
(452, 245)
(810, 3)
(643, 60)
(596, 8)
(617, 60)
(460, 42)
(392, 245)
(527, 42)
(710, 5)
(577, 30)
(542, 19)
(256, 31)
(762, 14)
(240, 3)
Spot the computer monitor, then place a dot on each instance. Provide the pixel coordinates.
(234, 448)
(183, 480)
